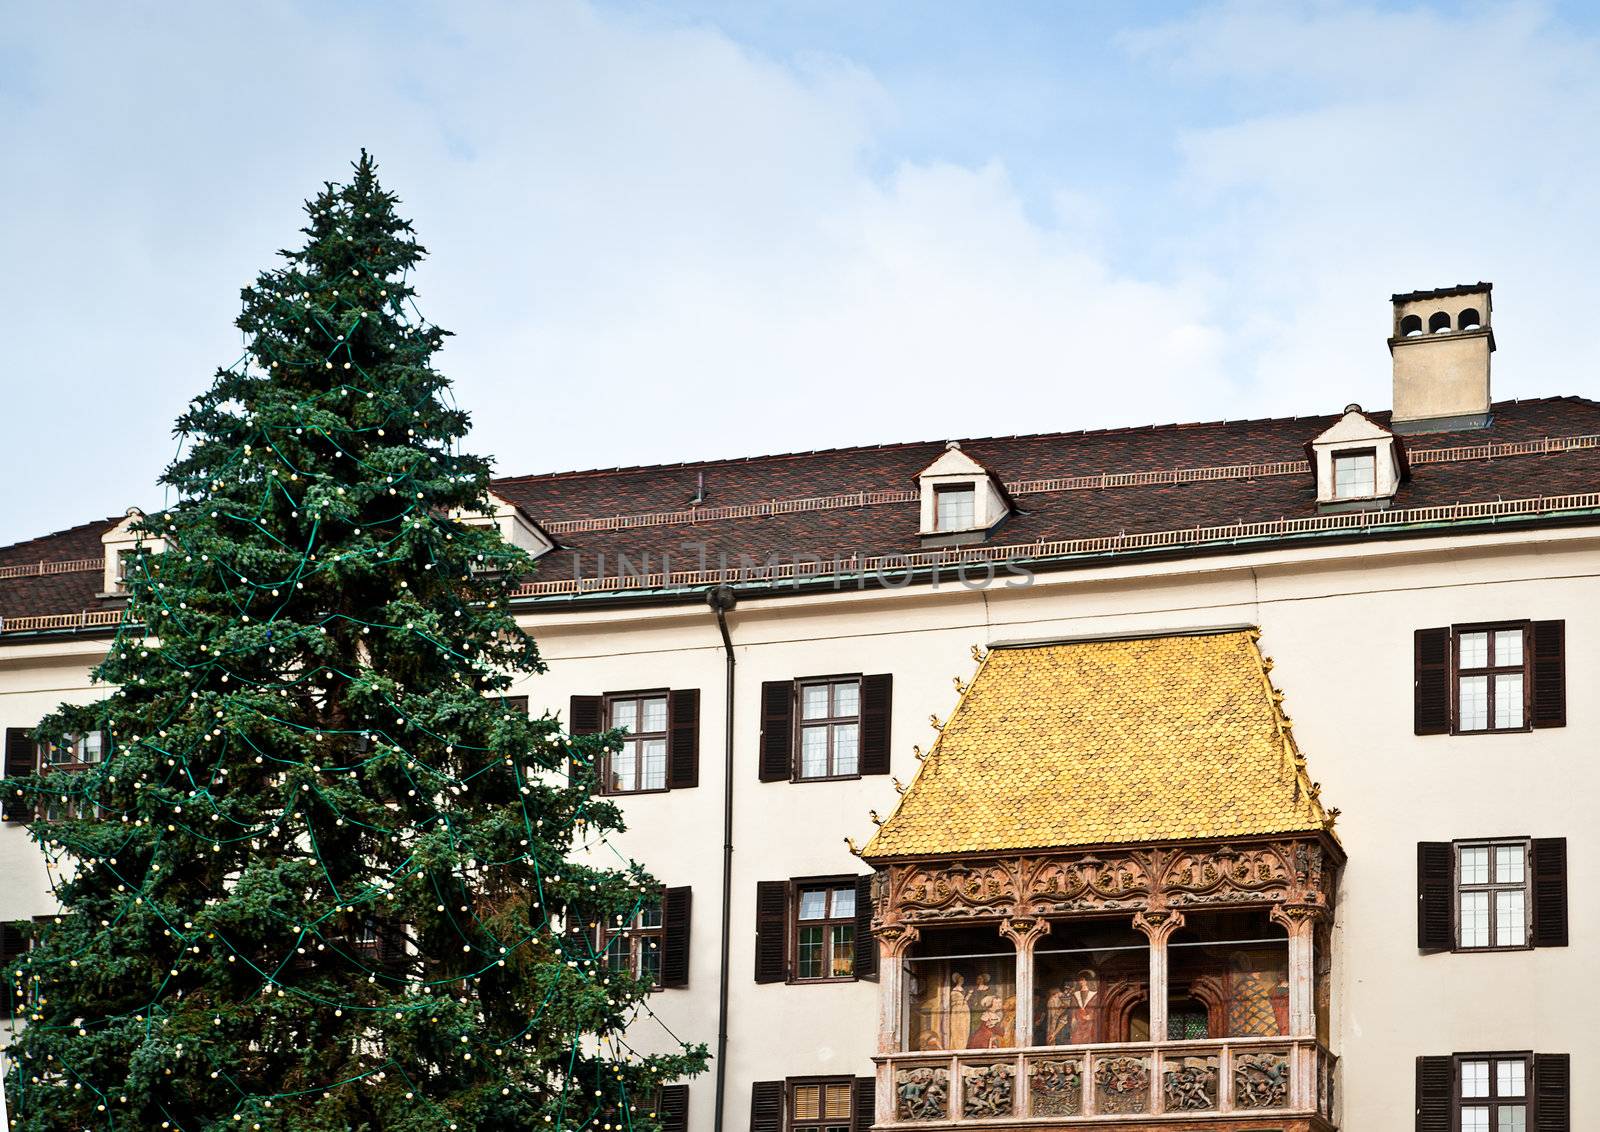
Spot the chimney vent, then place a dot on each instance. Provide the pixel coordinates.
(1441, 344)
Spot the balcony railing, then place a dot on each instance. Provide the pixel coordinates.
(1066, 1084)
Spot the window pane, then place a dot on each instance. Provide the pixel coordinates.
(1474, 1078)
(1508, 648)
(649, 959)
(1474, 650)
(844, 903)
(1508, 700)
(811, 953)
(807, 1102)
(847, 698)
(655, 714)
(1475, 1118)
(655, 764)
(625, 713)
(845, 751)
(844, 954)
(814, 701)
(814, 752)
(1475, 933)
(1475, 865)
(1508, 864)
(617, 954)
(814, 904)
(1511, 1118)
(1354, 476)
(650, 915)
(955, 509)
(89, 747)
(838, 1102)
(1473, 705)
(1510, 1078)
(1509, 928)
(624, 768)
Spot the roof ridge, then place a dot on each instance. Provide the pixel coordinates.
(76, 528)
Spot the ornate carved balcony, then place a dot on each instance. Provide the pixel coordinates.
(1285, 1082)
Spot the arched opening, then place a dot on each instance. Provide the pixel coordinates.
(961, 989)
(1228, 977)
(1468, 319)
(1091, 984)
(1411, 326)
(1439, 323)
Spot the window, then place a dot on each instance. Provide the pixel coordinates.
(634, 947)
(830, 728)
(72, 754)
(1492, 894)
(1492, 1093)
(1355, 474)
(1491, 678)
(825, 931)
(955, 507)
(641, 764)
(821, 1106)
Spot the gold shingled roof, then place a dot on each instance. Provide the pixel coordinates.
(1108, 742)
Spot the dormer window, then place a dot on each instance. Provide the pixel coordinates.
(513, 523)
(961, 501)
(124, 547)
(1355, 474)
(956, 506)
(1359, 464)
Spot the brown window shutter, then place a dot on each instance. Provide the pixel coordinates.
(1550, 892)
(1431, 687)
(391, 955)
(672, 1108)
(772, 931)
(683, 738)
(777, 730)
(675, 905)
(1552, 1092)
(877, 696)
(586, 716)
(866, 957)
(516, 704)
(864, 1112)
(1436, 866)
(766, 1106)
(1549, 674)
(1436, 1084)
(22, 760)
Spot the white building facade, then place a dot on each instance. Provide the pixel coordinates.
(1426, 584)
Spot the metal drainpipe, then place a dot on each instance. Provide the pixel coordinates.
(722, 600)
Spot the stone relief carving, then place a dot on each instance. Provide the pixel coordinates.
(922, 1092)
(1122, 1084)
(1275, 873)
(1261, 1080)
(1055, 1086)
(1189, 1084)
(986, 1090)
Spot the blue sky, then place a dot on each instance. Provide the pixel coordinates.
(665, 231)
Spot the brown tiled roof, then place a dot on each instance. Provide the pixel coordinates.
(892, 527)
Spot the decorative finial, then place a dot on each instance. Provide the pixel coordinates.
(961, 689)
(851, 845)
(873, 814)
(899, 787)
(917, 751)
(978, 653)
(934, 721)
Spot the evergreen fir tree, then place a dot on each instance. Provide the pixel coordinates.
(327, 877)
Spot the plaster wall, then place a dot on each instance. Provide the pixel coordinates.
(1337, 620)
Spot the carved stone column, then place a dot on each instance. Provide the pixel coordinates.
(894, 940)
(1024, 933)
(1300, 921)
(1158, 924)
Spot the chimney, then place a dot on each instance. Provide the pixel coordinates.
(1441, 346)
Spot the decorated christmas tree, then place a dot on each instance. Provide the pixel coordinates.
(327, 876)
